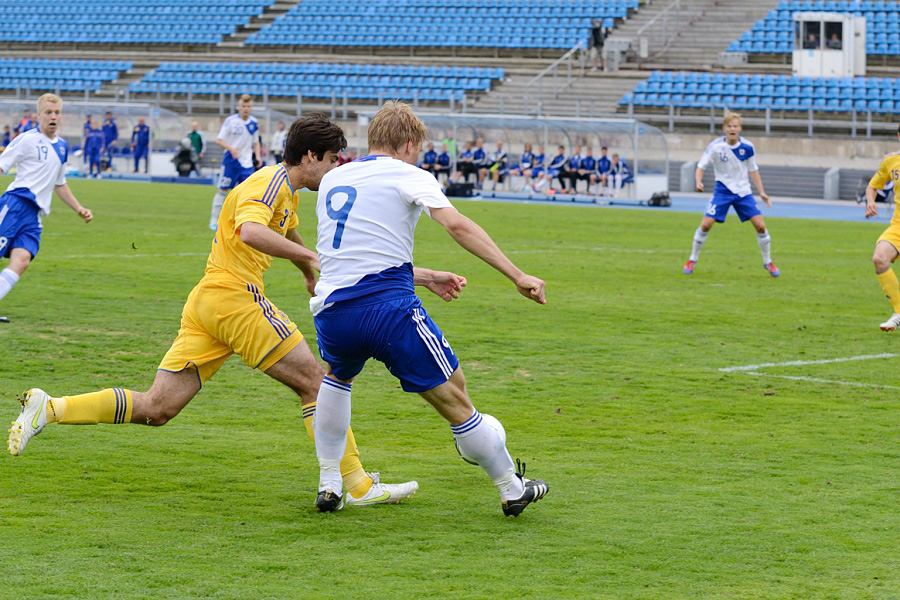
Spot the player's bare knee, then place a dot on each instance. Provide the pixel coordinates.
(881, 263)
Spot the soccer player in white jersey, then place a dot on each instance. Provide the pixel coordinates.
(734, 160)
(39, 156)
(239, 139)
(365, 306)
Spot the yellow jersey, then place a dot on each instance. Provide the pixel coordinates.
(267, 198)
(889, 170)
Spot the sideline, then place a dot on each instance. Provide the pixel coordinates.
(755, 370)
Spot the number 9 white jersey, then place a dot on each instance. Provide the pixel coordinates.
(39, 163)
(367, 212)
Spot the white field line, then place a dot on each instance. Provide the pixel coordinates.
(754, 370)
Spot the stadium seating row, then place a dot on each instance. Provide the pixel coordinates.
(64, 63)
(65, 75)
(756, 92)
(330, 68)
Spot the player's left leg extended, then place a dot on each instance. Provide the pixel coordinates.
(885, 254)
(765, 245)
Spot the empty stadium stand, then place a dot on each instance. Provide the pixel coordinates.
(774, 34)
(64, 75)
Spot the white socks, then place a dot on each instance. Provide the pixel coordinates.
(765, 246)
(8, 278)
(330, 427)
(699, 240)
(482, 443)
(217, 202)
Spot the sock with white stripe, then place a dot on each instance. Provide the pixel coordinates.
(331, 424)
(699, 240)
(217, 202)
(8, 278)
(765, 246)
(482, 443)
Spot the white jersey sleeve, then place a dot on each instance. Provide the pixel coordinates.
(367, 212)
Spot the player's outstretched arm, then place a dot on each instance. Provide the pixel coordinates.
(473, 238)
(757, 181)
(445, 284)
(66, 195)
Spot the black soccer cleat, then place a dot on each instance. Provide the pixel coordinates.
(327, 501)
(535, 489)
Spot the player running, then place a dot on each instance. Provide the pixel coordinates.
(39, 156)
(734, 160)
(228, 312)
(886, 246)
(365, 305)
(238, 136)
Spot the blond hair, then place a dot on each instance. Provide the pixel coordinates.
(731, 116)
(246, 98)
(51, 98)
(394, 125)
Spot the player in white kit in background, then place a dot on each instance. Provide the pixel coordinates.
(734, 160)
(39, 156)
(238, 136)
(365, 305)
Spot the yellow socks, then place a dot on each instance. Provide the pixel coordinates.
(356, 480)
(891, 287)
(105, 406)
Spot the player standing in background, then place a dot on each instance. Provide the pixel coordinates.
(140, 145)
(366, 307)
(110, 135)
(277, 143)
(39, 156)
(7, 137)
(198, 142)
(26, 123)
(93, 149)
(227, 312)
(734, 160)
(887, 244)
(239, 139)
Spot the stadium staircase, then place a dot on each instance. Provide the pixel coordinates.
(270, 13)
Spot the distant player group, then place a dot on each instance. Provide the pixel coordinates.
(363, 297)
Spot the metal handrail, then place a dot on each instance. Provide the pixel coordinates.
(554, 68)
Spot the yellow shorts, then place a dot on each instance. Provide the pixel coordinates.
(892, 236)
(225, 317)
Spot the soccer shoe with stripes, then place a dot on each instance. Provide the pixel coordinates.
(892, 323)
(383, 493)
(30, 421)
(689, 267)
(772, 269)
(535, 489)
(327, 501)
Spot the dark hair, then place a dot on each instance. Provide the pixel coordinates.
(313, 132)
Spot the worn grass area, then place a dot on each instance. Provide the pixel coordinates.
(670, 478)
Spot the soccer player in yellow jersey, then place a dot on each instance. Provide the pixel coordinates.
(227, 312)
(886, 248)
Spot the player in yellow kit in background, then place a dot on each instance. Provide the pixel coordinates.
(886, 248)
(227, 312)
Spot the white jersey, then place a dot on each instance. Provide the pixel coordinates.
(367, 212)
(732, 164)
(278, 138)
(40, 165)
(240, 135)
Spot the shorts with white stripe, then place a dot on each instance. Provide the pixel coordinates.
(392, 327)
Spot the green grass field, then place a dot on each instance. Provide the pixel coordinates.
(670, 478)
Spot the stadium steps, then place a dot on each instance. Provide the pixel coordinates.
(269, 14)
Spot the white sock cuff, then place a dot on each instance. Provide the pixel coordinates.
(762, 236)
(468, 426)
(701, 234)
(10, 276)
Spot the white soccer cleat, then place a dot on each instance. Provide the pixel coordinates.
(30, 421)
(892, 323)
(383, 493)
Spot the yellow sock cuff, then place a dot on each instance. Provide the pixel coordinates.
(891, 287)
(106, 406)
(356, 480)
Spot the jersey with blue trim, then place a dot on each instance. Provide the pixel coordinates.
(430, 158)
(40, 165)
(367, 212)
(110, 130)
(603, 165)
(558, 161)
(888, 172)
(588, 163)
(538, 161)
(140, 136)
(240, 135)
(526, 160)
(732, 164)
(479, 158)
(443, 159)
(622, 168)
(267, 198)
(573, 162)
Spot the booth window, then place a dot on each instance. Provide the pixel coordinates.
(834, 32)
(812, 35)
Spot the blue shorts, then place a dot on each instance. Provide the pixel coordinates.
(20, 223)
(233, 175)
(744, 206)
(392, 327)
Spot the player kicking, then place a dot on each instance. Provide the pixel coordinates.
(39, 156)
(365, 306)
(238, 136)
(227, 312)
(886, 246)
(734, 160)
